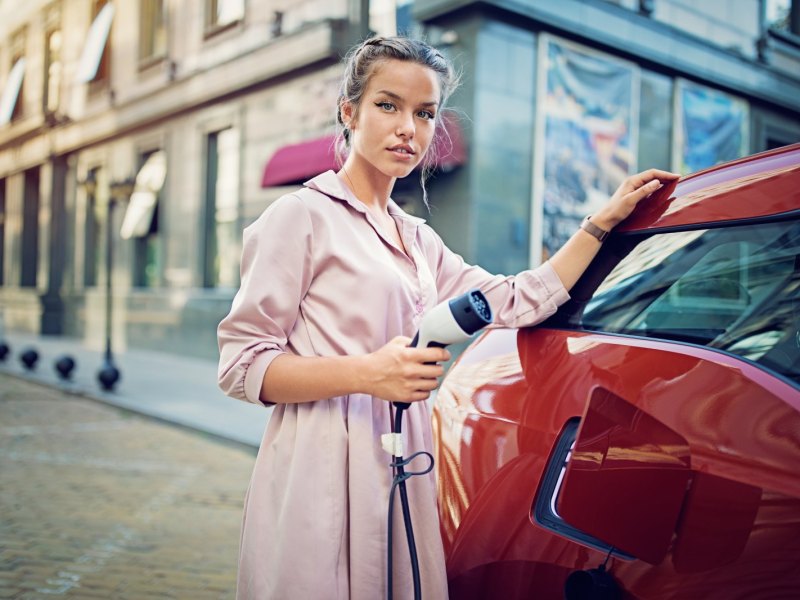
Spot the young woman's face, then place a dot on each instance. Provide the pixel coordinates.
(396, 118)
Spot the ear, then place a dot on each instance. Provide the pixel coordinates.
(346, 110)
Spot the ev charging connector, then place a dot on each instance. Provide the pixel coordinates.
(447, 323)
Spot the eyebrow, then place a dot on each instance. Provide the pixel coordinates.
(398, 97)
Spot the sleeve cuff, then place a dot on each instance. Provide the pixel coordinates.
(552, 283)
(254, 376)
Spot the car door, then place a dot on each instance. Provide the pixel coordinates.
(652, 426)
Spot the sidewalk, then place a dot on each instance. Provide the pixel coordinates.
(172, 388)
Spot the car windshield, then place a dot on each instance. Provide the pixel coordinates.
(735, 289)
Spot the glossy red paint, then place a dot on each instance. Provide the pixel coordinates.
(504, 404)
(718, 517)
(627, 478)
(759, 185)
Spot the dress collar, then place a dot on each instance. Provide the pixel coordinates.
(331, 185)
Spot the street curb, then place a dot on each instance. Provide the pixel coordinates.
(80, 392)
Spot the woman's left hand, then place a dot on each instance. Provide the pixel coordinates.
(628, 195)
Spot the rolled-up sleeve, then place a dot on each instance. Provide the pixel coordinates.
(518, 300)
(276, 270)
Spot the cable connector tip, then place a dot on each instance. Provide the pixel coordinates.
(392, 443)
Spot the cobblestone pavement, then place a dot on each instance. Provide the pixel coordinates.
(99, 503)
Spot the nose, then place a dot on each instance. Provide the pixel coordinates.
(405, 125)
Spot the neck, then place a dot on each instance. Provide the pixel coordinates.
(369, 185)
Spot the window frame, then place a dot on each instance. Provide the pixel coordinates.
(52, 88)
(210, 276)
(153, 236)
(212, 26)
(792, 29)
(31, 234)
(153, 20)
(3, 212)
(92, 232)
(17, 48)
(102, 77)
(616, 248)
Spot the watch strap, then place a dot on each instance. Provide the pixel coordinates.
(593, 230)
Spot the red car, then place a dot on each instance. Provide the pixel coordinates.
(644, 442)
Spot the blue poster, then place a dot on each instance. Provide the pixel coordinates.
(713, 127)
(589, 114)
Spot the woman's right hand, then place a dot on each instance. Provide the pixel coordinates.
(398, 373)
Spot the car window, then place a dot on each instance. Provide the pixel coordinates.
(735, 289)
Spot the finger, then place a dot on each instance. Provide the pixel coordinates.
(420, 396)
(639, 179)
(426, 384)
(430, 371)
(659, 174)
(644, 190)
(434, 355)
(412, 396)
(423, 372)
(401, 340)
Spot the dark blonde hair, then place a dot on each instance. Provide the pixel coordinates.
(360, 64)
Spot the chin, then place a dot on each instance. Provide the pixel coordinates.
(399, 171)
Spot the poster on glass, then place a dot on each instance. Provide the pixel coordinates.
(586, 142)
(711, 127)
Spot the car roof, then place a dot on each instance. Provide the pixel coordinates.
(761, 185)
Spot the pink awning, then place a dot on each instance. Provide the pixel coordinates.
(451, 151)
(297, 163)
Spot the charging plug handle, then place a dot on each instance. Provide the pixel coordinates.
(454, 321)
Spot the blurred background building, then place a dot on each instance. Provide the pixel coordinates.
(166, 126)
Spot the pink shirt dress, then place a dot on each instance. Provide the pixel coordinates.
(319, 278)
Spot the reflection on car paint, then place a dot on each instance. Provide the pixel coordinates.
(675, 368)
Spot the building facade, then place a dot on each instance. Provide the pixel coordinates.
(151, 125)
(565, 98)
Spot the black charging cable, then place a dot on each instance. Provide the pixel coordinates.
(400, 476)
(449, 322)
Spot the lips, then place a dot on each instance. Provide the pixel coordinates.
(402, 149)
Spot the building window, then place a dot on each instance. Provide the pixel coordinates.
(18, 57)
(588, 150)
(629, 4)
(91, 232)
(220, 13)
(222, 231)
(99, 42)
(104, 68)
(391, 17)
(30, 229)
(655, 120)
(2, 230)
(11, 92)
(95, 63)
(711, 127)
(782, 15)
(141, 218)
(146, 257)
(52, 71)
(152, 31)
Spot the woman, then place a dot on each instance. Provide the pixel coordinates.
(335, 279)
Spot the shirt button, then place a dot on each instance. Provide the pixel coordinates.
(418, 307)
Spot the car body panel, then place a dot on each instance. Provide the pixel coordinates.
(707, 397)
(685, 459)
(757, 186)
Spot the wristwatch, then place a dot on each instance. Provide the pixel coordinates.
(594, 230)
